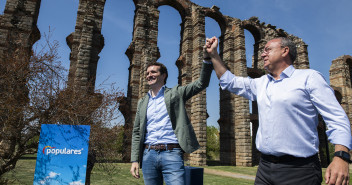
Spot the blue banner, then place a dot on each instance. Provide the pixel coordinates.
(62, 155)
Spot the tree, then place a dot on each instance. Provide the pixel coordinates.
(34, 92)
(213, 143)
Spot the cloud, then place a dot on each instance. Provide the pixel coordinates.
(76, 183)
(51, 175)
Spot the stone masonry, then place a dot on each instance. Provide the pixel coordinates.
(341, 82)
(18, 33)
(85, 43)
(236, 142)
(18, 25)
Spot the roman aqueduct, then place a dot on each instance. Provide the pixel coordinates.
(18, 26)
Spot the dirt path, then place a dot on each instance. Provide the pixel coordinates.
(229, 174)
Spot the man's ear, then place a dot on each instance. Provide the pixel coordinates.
(286, 51)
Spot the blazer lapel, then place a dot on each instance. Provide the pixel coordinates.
(167, 99)
(143, 110)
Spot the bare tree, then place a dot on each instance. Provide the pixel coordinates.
(34, 92)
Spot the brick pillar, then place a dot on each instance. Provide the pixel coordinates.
(227, 104)
(18, 26)
(184, 62)
(85, 44)
(18, 33)
(242, 115)
(142, 51)
(198, 102)
(341, 79)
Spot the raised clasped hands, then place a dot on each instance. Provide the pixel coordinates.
(210, 48)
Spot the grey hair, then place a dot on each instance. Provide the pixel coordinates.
(286, 42)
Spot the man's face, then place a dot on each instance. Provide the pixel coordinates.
(272, 54)
(154, 78)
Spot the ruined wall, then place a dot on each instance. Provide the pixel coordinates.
(236, 142)
(341, 82)
(85, 43)
(18, 26)
(18, 33)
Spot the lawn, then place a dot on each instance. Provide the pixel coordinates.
(118, 173)
(107, 174)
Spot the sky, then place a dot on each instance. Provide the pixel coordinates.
(324, 25)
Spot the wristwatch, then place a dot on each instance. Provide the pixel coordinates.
(343, 155)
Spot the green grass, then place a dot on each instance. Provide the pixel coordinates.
(23, 173)
(107, 174)
(119, 173)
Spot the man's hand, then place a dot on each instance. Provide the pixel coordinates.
(210, 53)
(135, 170)
(210, 47)
(337, 172)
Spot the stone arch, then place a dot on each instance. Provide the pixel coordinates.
(234, 110)
(183, 7)
(214, 13)
(143, 50)
(252, 26)
(217, 24)
(169, 24)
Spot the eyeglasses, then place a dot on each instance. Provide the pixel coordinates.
(268, 49)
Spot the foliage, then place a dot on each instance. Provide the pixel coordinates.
(213, 143)
(34, 91)
(109, 147)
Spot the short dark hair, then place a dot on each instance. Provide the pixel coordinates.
(163, 69)
(286, 42)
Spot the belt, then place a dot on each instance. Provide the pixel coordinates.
(286, 158)
(163, 146)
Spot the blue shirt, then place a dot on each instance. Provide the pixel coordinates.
(288, 111)
(159, 128)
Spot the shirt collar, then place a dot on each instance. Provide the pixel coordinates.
(161, 91)
(287, 73)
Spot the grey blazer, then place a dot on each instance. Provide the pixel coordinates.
(175, 99)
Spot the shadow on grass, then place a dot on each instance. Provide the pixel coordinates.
(213, 163)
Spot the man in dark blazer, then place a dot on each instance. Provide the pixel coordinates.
(162, 131)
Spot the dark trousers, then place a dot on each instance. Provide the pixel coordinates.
(288, 170)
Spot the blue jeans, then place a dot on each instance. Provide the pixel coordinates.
(166, 164)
